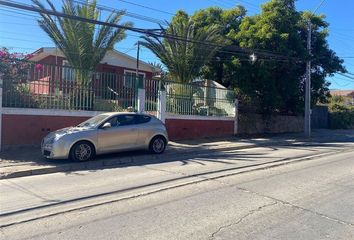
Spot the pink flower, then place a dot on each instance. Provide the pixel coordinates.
(3, 53)
(39, 67)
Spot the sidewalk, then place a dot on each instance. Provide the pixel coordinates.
(28, 161)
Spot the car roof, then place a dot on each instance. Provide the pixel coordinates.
(123, 113)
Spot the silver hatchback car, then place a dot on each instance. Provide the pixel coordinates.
(106, 133)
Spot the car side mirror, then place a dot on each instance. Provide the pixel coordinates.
(106, 125)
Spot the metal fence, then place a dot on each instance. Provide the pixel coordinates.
(63, 87)
(199, 99)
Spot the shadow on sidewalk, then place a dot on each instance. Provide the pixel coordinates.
(221, 150)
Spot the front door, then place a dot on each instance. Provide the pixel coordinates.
(122, 135)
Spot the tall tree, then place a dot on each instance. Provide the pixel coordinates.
(186, 49)
(221, 67)
(83, 44)
(276, 84)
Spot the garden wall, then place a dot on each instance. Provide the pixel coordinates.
(29, 126)
(182, 127)
(22, 126)
(259, 124)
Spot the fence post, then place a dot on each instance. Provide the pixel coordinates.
(236, 118)
(161, 106)
(141, 95)
(1, 83)
(141, 100)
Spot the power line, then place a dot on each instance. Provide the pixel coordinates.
(318, 6)
(148, 32)
(126, 13)
(146, 7)
(341, 85)
(344, 75)
(241, 58)
(24, 15)
(130, 35)
(249, 4)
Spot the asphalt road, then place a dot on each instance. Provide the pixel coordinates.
(304, 192)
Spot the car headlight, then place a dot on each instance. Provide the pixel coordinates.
(53, 138)
(50, 140)
(58, 136)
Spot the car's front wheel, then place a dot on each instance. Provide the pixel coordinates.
(82, 151)
(157, 145)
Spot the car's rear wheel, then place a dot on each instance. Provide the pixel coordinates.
(157, 145)
(82, 151)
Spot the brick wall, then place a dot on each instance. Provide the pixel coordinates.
(30, 129)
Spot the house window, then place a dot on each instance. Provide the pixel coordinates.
(68, 72)
(130, 80)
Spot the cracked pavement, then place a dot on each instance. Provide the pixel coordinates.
(311, 199)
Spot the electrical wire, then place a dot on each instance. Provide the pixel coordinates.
(126, 13)
(148, 32)
(344, 75)
(318, 7)
(146, 7)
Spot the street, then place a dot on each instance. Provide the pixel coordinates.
(176, 120)
(271, 192)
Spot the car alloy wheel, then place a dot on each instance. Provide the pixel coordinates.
(83, 151)
(158, 145)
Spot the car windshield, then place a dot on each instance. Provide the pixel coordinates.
(93, 122)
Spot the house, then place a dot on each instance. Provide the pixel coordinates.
(348, 95)
(113, 62)
(51, 78)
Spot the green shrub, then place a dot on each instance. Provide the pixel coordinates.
(106, 105)
(214, 111)
(53, 102)
(341, 116)
(18, 95)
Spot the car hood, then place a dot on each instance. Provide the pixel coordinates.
(68, 130)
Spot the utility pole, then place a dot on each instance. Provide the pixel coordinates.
(141, 84)
(137, 60)
(308, 86)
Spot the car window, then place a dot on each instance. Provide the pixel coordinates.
(124, 120)
(142, 119)
(113, 121)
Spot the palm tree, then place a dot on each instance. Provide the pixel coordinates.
(185, 49)
(83, 44)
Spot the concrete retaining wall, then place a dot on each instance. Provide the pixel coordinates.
(258, 124)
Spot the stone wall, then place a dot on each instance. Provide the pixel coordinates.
(258, 124)
(181, 129)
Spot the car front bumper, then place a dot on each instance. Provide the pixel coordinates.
(57, 150)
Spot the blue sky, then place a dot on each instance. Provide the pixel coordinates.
(19, 30)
